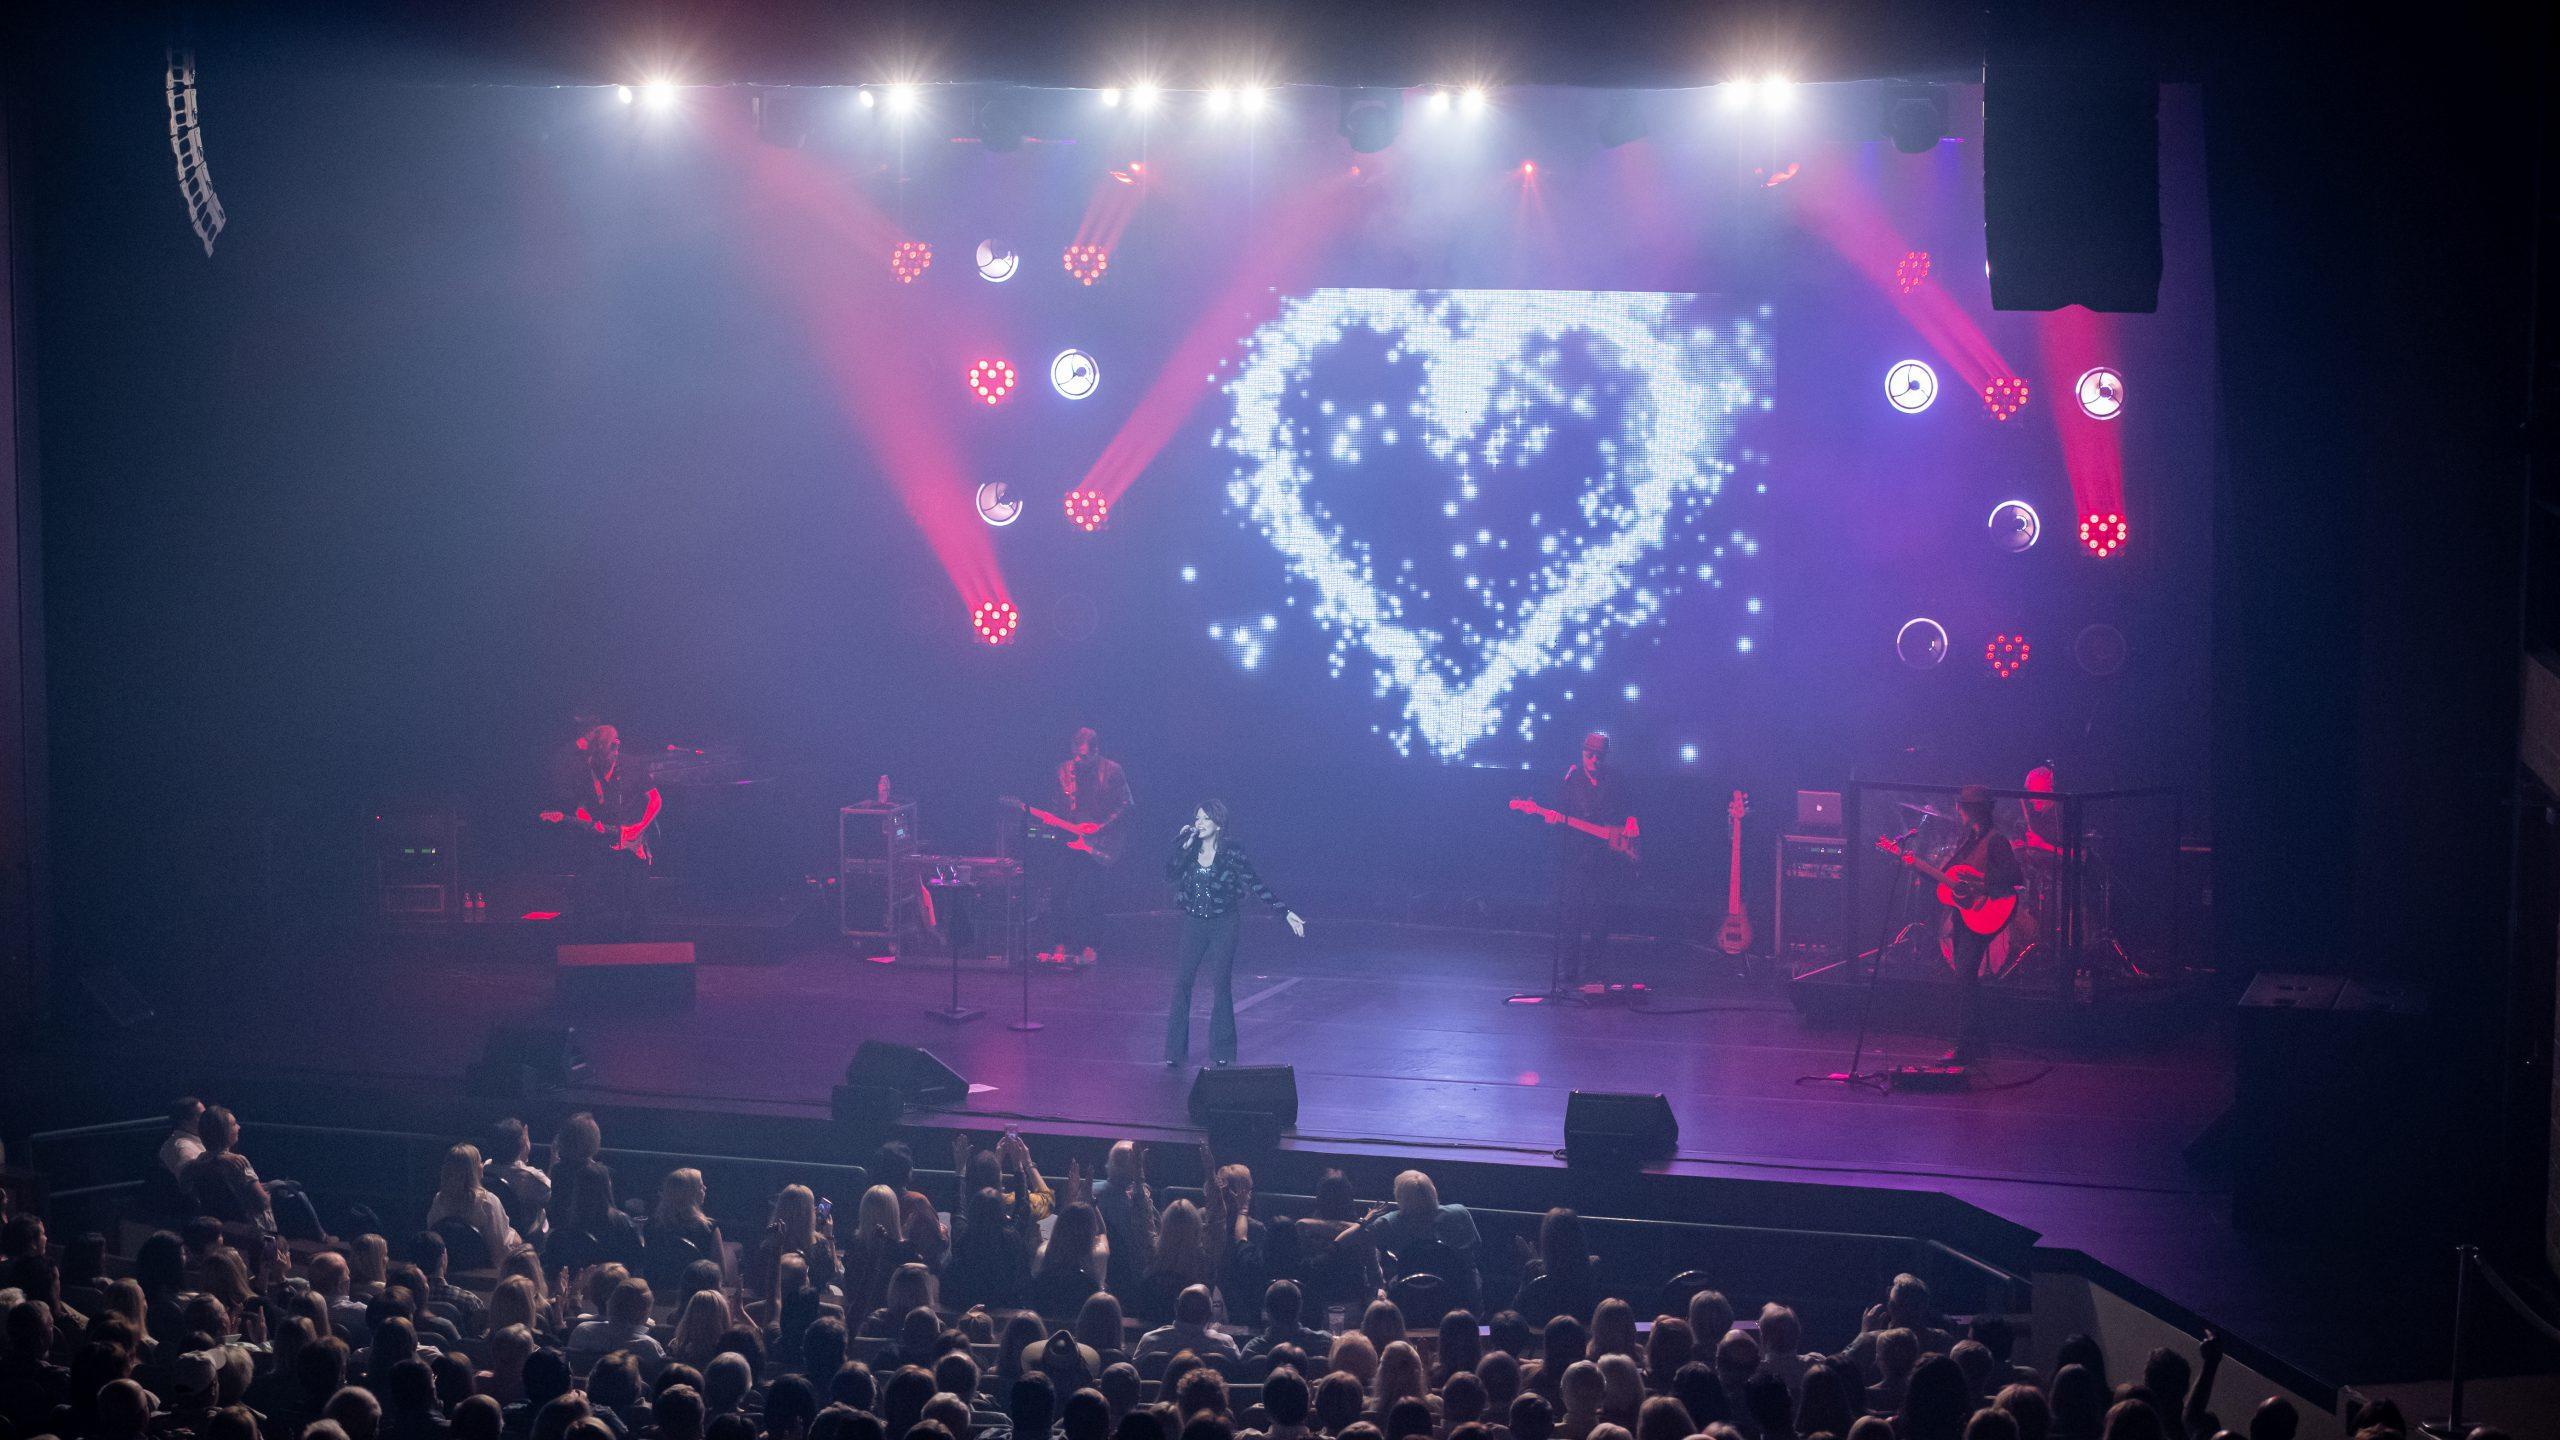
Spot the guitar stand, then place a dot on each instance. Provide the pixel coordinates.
(1017, 950)
(1558, 991)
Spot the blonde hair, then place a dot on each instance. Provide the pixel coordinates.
(698, 1330)
(1613, 1329)
(125, 1298)
(879, 1211)
(1354, 1356)
(1400, 1375)
(515, 1303)
(680, 1197)
(910, 1288)
(525, 1262)
(1414, 1191)
(795, 1218)
(1621, 1383)
(1182, 1243)
(458, 1185)
(369, 1260)
(1583, 1388)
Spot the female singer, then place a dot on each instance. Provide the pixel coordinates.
(1210, 878)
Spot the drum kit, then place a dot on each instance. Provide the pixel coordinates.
(2038, 934)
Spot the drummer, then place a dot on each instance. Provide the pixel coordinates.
(2043, 832)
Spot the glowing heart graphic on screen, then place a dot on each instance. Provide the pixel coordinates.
(1492, 385)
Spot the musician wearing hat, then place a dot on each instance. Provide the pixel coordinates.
(1988, 870)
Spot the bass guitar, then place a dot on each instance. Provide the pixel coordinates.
(1085, 837)
(1624, 841)
(1735, 937)
(625, 839)
(1961, 888)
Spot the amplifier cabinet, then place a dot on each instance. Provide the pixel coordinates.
(1811, 896)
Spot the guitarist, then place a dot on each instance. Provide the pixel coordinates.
(615, 804)
(1092, 791)
(1587, 881)
(1985, 849)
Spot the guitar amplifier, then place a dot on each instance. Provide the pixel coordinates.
(417, 866)
(1812, 896)
(877, 875)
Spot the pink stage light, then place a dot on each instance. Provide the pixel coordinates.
(992, 379)
(2006, 655)
(1912, 271)
(1087, 510)
(911, 259)
(996, 621)
(2005, 396)
(2103, 534)
(1086, 262)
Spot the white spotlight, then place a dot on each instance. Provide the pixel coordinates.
(1221, 100)
(1254, 98)
(661, 94)
(623, 94)
(1438, 103)
(1143, 97)
(1475, 100)
(1737, 94)
(1111, 98)
(902, 99)
(1777, 92)
(865, 98)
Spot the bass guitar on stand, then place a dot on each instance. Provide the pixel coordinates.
(1735, 937)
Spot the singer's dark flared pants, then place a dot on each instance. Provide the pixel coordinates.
(1209, 943)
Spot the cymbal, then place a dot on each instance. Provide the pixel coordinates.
(1931, 812)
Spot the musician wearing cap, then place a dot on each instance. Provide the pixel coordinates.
(1588, 879)
(1982, 881)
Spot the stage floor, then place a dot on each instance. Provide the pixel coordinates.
(1401, 1038)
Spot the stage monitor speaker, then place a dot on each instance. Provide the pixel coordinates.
(2071, 175)
(870, 1112)
(1245, 1106)
(520, 1061)
(1608, 1129)
(645, 973)
(915, 1074)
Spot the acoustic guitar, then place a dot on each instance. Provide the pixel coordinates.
(1624, 841)
(1735, 937)
(1961, 888)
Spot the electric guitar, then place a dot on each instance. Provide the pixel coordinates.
(634, 845)
(1735, 937)
(1961, 889)
(1079, 835)
(1625, 841)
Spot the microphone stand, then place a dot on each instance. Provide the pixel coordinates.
(1853, 1076)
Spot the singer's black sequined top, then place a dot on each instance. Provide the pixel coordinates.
(1216, 889)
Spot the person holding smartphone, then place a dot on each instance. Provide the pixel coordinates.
(1210, 878)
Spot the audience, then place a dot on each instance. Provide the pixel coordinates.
(583, 1324)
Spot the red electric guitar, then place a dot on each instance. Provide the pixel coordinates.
(1735, 937)
(1625, 841)
(1079, 835)
(611, 837)
(1960, 888)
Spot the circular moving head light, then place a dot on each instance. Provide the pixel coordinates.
(1075, 375)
